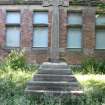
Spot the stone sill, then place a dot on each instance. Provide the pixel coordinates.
(11, 2)
(74, 49)
(100, 50)
(40, 2)
(40, 50)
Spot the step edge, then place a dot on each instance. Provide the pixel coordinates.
(46, 91)
(53, 75)
(52, 82)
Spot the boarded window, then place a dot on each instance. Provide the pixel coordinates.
(40, 18)
(40, 38)
(100, 39)
(13, 18)
(13, 37)
(75, 18)
(74, 38)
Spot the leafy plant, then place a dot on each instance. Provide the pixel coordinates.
(19, 1)
(91, 65)
(16, 59)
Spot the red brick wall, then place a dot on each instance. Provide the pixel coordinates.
(88, 38)
(89, 31)
(26, 28)
(39, 56)
(33, 55)
(2, 28)
(3, 52)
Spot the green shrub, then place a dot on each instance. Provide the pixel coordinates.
(100, 66)
(91, 65)
(15, 60)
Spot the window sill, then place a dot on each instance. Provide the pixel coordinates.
(40, 25)
(74, 49)
(12, 24)
(11, 48)
(8, 49)
(99, 50)
(40, 50)
(74, 25)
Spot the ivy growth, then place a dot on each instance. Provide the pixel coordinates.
(19, 1)
(98, 3)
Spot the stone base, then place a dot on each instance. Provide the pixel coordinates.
(54, 78)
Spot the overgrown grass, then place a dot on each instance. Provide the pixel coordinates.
(14, 78)
(13, 83)
(91, 66)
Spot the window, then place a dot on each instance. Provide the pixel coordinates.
(100, 39)
(40, 33)
(13, 17)
(74, 18)
(40, 17)
(40, 37)
(100, 31)
(13, 29)
(100, 19)
(74, 37)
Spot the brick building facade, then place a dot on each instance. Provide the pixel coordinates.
(82, 31)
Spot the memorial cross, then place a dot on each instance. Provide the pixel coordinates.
(54, 51)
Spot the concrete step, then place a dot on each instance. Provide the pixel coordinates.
(54, 69)
(32, 92)
(52, 84)
(50, 77)
(54, 65)
(53, 78)
(53, 88)
(57, 72)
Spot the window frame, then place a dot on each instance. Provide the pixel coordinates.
(19, 38)
(39, 12)
(10, 25)
(70, 34)
(98, 27)
(75, 26)
(13, 11)
(38, 25)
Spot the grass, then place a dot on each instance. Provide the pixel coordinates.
(13, 83)
(92, 82)
(15, 73)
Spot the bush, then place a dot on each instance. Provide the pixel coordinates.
(15, 60)
(91, 65)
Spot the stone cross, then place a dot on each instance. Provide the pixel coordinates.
(54, 51)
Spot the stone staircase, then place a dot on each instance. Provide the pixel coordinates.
(54, 78)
